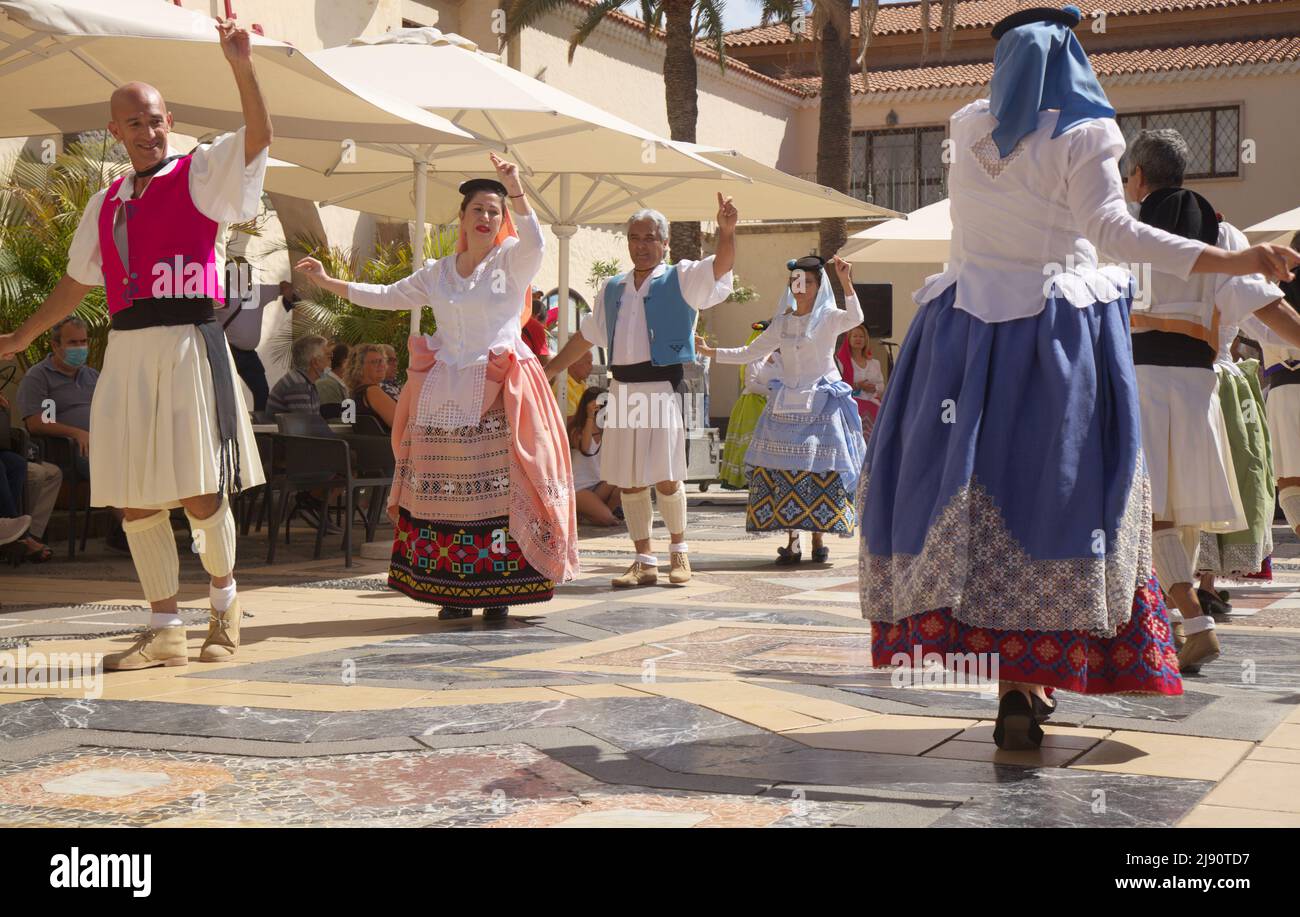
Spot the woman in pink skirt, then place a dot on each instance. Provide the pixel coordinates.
(483, 492)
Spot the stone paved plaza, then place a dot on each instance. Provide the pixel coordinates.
(744, 699)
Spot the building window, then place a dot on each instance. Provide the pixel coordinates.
(1213, 135)
(899, 168)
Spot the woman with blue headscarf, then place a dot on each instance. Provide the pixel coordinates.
(1004, 502)
(806, 451)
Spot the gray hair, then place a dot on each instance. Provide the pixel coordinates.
(654, 216)
(1163, 156)
(56, 331)
(304, 348)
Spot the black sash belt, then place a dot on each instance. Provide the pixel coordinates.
(648, 372)
(1281, 374)
(162, 312)
(1169, 348)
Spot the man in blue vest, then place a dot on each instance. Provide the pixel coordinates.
(646, 320)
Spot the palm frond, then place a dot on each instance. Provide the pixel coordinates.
(523, 13)
(595, 16)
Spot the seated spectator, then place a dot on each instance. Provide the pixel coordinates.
(17, 475)
(330, 387)
(54, 400)
(597, 501)
(389, 385)
(576, 380)
(366, 368)
(534, 330)
(296, 390)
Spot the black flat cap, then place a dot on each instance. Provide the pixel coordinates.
(1069, 16)
(475, 185)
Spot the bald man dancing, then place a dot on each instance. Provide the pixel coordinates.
(168, 426)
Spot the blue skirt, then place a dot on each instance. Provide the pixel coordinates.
(827, 438)
(1004, 478)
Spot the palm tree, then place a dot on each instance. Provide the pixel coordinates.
(681, 22)
(831, 21)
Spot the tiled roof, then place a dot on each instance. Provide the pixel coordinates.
(900, 18)
(1105, 63)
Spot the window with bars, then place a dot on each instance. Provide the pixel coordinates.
(1213, 136)
(899, 168)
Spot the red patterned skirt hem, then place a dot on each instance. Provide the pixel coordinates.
(1139, 659)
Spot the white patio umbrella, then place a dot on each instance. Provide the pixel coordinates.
(1279, 228)
(554, 137)
(60, 61)
(921, 236)
(569, 199)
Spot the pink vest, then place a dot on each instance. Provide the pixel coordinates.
(171, 246)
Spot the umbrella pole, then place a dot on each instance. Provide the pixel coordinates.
(417, 232)
(564, 231)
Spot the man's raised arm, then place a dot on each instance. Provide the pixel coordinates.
(237, 46)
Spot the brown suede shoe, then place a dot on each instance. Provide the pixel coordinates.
(681, 569)
(1198, 650)
(1180, 636)
(638, 574)
(164, 646)
(223, 634)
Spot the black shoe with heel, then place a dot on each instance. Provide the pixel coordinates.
(785, 557)
(1017, 728)
(447, 613)
(821, 555)
(496, 613)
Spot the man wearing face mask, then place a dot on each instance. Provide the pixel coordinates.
(54, 400)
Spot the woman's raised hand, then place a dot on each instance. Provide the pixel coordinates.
(701, 346)
(843, 270)
(313, 269)
(507, 174)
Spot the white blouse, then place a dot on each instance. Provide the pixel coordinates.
(477, 315)
(223, 187)
(805, 360)
(1030, 225)
(700, 289)
(871, 372)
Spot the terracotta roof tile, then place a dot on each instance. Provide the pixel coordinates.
(900, 18)
(1105, 63)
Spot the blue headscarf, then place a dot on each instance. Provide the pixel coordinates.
(1038, 66)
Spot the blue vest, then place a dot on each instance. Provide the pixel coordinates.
(670, 320)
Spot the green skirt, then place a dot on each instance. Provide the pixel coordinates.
(1242, 403)
(744, 417)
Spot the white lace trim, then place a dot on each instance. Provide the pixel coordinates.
(972, 564)
(985, 151)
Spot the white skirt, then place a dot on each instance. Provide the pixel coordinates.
(153, 422)
(1188, 456)
(1282, 404)
(644, 440)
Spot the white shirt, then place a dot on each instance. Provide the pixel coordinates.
(805, 360)
(868, 372)
(222, 187)
(1205, 300)
(1031, 223)
(476, 315)
(760, 373)
(700, 289)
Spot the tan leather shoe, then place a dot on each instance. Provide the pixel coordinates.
(223, 634)
(681, 568)
(164, 646)
(1180, 636)
(1198, 650)
(638, 574)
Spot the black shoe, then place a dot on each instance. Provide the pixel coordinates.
(447, 613)
(1042, 709)
(1016, 728)
(821, 555)
(1212, 604)
(787, 558)
(117, 541)
(496, 613)
(618, 513)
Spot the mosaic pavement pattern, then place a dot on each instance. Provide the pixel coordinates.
(746, 699)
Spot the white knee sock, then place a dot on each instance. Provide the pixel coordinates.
(638, 513)
(1290, 500)
(153, 549)
(215, 539)
(672, 509)
(1172, 563)
(1197, 624)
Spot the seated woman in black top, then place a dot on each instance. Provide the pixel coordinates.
(367, 366)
